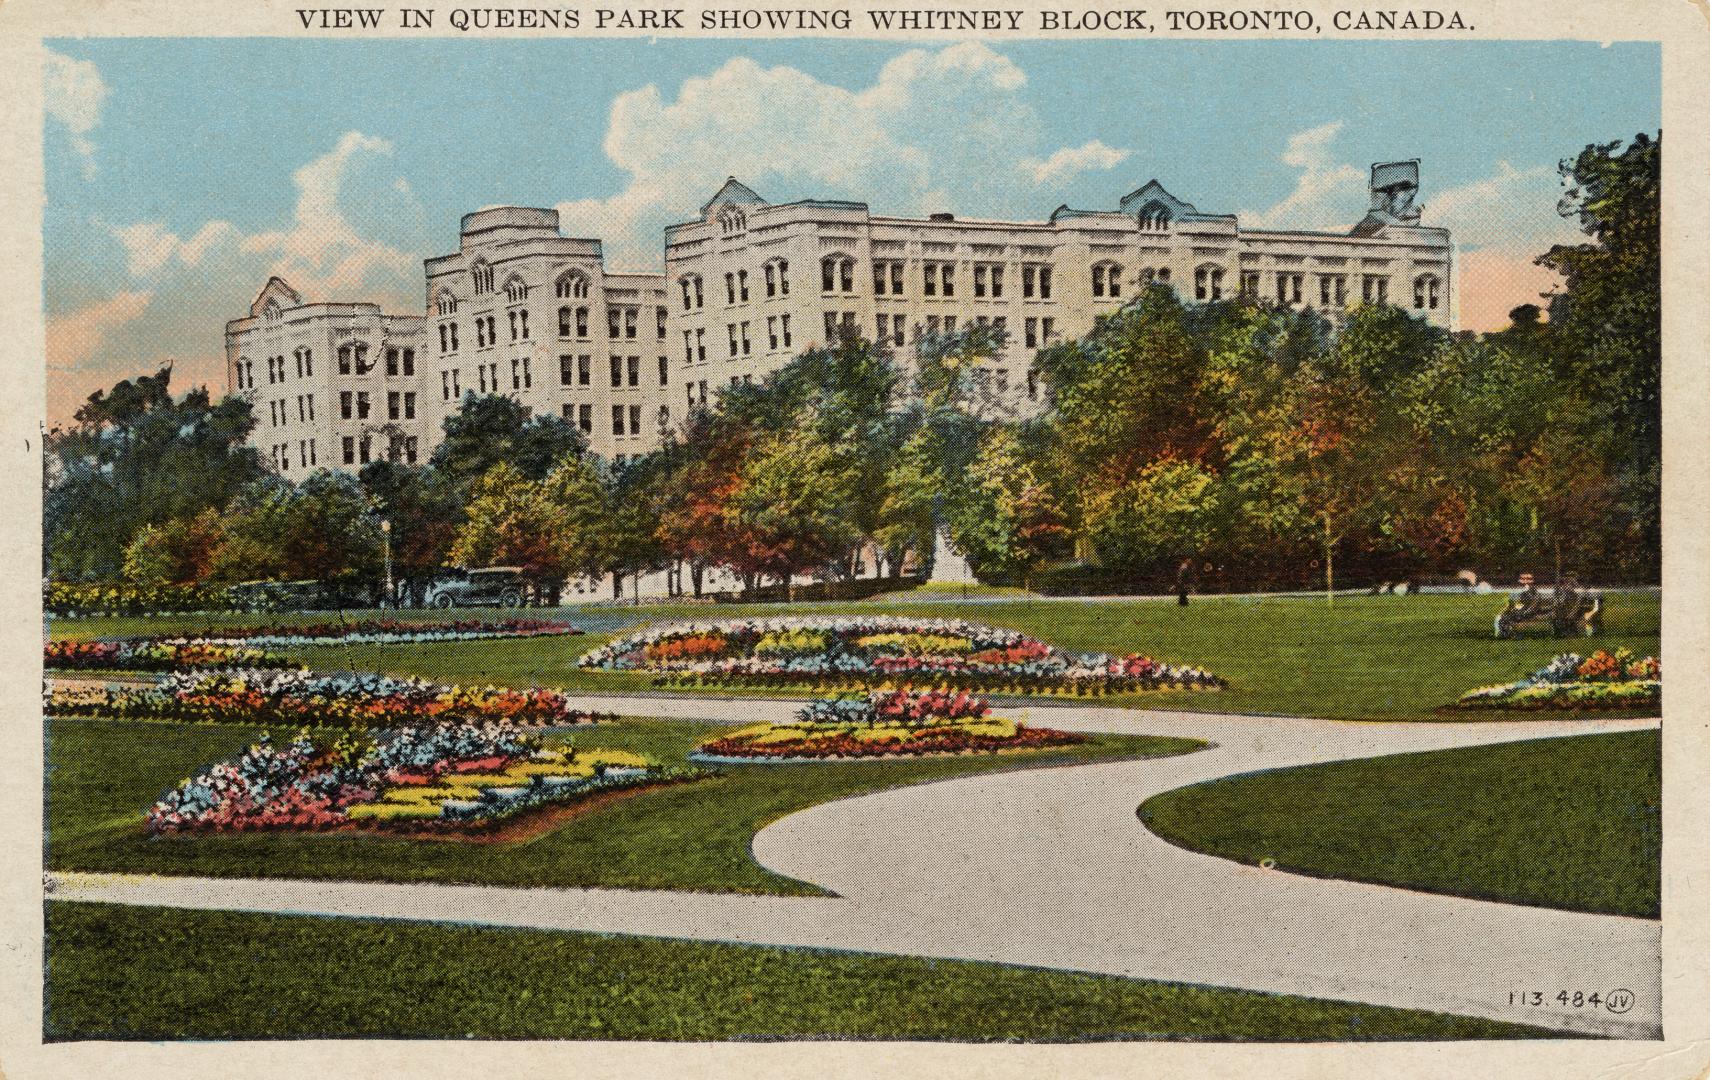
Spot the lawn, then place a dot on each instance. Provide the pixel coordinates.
(1366, 657)
(227, 975)
(102, 775)
(1570, 823)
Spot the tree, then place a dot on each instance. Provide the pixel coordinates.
(425, 510)
(706, 474)
(1607, 324)
(494, 430)
(1165, 511)
(136, 456)
(511, 520)
(588, 540)
(630, 515)
(179, 551)
(1006, 519)
(323, 529)
(790, 508)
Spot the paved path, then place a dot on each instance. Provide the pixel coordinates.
(1051, 867)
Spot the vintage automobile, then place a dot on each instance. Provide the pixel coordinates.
(493, 586)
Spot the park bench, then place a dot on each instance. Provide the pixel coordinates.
(1567, 610)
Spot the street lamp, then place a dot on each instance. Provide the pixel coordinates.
(386, 546)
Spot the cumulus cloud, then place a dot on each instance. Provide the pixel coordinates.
(73, 95)
(185, 282)
(150, 247)
(1326, 195)
(1072, 161)
(931, 122)
(322, 253)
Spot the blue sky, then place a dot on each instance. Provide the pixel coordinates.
(180, 173)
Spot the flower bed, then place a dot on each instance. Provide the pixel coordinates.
(859, 652)
(450, 775)
(146, 655)
(382, 632)
(76, 599)
(883, 724)
(1603, 680)
(306, 698)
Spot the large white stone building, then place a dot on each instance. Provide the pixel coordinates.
(523, 311)
(333, 385)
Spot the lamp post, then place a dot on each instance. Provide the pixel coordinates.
(386, 547)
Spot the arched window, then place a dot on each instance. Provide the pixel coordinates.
(1106, 280)
(271, 311)
(445, 303)
(1427, 292)
(1153, 217)
(837, 274)
(481, 276)
(515, 290)
(1208, 282)
(694, 298)
(732, 221)
(571, 286)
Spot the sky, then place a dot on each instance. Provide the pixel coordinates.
(181, 173)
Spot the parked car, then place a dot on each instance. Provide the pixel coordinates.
(500, 586)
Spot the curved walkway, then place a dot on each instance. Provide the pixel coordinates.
(1051, 867)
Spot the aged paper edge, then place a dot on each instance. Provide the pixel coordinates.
(1683, 28)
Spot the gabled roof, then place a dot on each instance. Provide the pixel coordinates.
(275, 291)
(734, 192)
(1153, 192)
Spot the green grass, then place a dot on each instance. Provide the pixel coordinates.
(222, 975)
(102, 776)
(1378, 657)
(1570, 823)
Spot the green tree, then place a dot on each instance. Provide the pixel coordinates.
(425, 510)
(1161, 513)
(511, 520)
(137, 456)
(494, 430)
(791, 506)
(179, 551)
(1006, 518)
(1607, 324)
(323, 529)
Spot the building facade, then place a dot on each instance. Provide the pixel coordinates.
(333, 385)
(523, 311)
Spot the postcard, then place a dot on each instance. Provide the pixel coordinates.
(1013, 541)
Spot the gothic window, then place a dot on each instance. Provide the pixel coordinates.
(571, 286)
(481, 277)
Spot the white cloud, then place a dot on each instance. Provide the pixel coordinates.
(76, 336)
(74, 94)
(151, 248)
(1510, 206)
(1071, 161)
(321, 253)
(931, 122)
(1326, 195)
